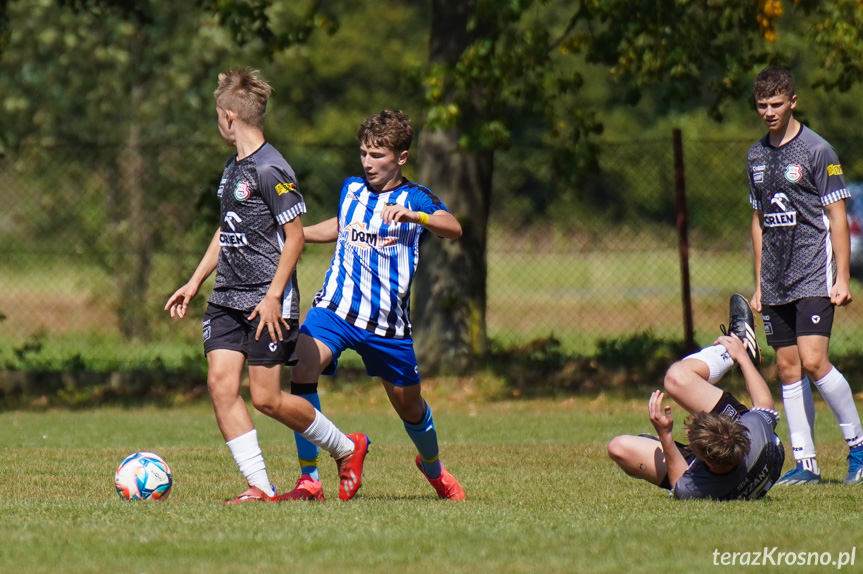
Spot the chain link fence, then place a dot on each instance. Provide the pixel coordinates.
(97, 237)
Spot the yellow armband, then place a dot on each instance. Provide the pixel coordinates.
(424, 218)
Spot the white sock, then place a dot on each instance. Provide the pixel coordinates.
(837, 394)
(324, 434)
(800, 413)
(248, 455)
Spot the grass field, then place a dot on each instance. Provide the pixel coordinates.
(542, 496)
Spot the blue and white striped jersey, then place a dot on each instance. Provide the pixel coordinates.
(369, 280)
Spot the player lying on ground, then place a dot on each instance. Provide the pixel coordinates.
(733, 452)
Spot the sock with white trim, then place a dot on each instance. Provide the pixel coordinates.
(836, 391)
(248, 456)
(323, 433)
(800, 414)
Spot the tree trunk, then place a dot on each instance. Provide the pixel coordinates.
(134, 278)
(449, 305)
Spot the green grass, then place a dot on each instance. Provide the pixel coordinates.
(543, 496)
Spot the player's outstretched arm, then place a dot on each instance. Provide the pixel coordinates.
(758, 390)
(323, 232)
(663, 422)
(178, 302)
(442, 223)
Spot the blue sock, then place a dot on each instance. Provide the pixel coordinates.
(307, 452)
(424, 436)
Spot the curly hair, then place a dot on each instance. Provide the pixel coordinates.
(244, 93)
(718, 439)
(773, 81)
(388, 128)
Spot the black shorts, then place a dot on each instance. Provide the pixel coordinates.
(783, 324)
(729, 406)
(231, 330)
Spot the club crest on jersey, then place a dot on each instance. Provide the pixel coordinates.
(359, 236)
(241, 192)
(793, 172)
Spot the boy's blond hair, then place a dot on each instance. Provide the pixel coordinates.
(718, 439)
(244, 93)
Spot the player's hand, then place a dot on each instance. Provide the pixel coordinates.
(394, 213)
(735, 347)
(755, 301)
(270, 312)
(660, 416)
(841, 293)
(178, 302)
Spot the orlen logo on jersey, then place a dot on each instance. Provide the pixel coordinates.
(359, 237)
(785, 218)
(232, 238)
(793, 172)
(241, 192)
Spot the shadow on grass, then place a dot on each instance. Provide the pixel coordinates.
(627, 366)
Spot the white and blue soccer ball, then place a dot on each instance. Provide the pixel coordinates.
(143, 476)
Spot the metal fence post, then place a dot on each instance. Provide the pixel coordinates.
(683, 240)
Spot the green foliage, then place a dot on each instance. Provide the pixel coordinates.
(687, 49)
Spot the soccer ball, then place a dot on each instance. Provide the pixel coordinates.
(143, 476)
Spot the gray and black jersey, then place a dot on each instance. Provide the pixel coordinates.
(760, 470)
(790, 185)
(258, 195)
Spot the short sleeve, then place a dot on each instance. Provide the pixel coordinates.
(827, 172)
(281, 192)
(769, 416)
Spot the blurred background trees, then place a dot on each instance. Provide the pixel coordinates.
(514, 104)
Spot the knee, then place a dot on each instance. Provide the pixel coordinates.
(410, 410)
(617, 448)
(675, 379)
(220, 389)
(266, 403)
(816, 366)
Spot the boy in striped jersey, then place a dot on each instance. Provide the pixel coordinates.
(363, 304)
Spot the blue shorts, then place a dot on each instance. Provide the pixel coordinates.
(393, 360)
